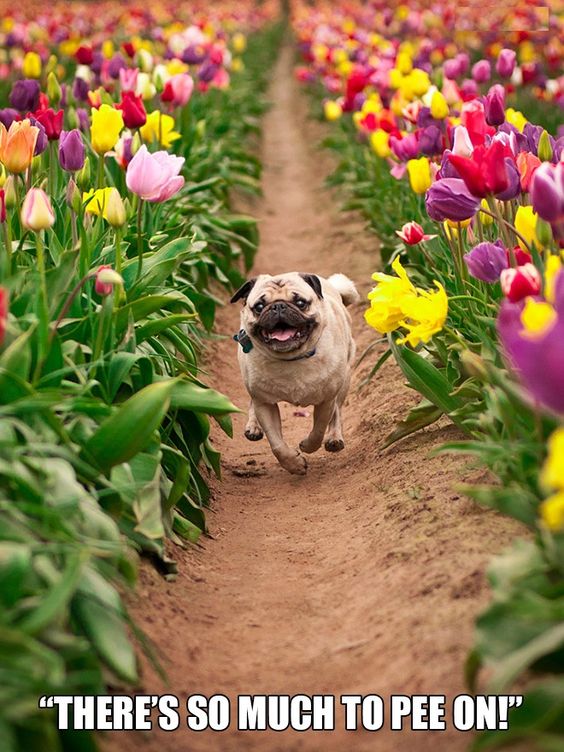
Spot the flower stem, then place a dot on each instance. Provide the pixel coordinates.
(52, 167)
(139, 237)
(42, 310)
(8, 243)
(100, 179)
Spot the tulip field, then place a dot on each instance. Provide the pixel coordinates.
(126, 129)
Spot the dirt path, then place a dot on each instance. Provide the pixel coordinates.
(365, 576)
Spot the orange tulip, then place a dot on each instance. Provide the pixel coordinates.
(17, 145)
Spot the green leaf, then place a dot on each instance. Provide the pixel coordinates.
(131, 427)
(186, 395)
(424, 414)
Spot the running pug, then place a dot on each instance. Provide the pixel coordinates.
(297, 347)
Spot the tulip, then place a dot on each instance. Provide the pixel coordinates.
(406, 147)
(494, 105)
(37, 213)
(10, 195)
(71, 150)
(73, 196)
(527, 165)
(519, 283)
(481, 71)
(485, 172)
(84, 55)
(154, 177)
(431, 141)
(80, 89)
(84, 176)
(17, 145)
(128, 79)
(462, 145)
(42, 140)
(473, 118)
(513, 181)
(486, 261)
(178, 90)
(439, 106)
(545, 150)
(505, 64)
(452, 68)
(8, 115)
(159, 128)
(115, 66)
(449, 198)
(106, 278)
(332, 110)
(380, 142)
(107, 123)
(525, 224)
(25, 95)
(132, 109)
(115, 209)
(547, 192)
(51, 121)
(4, 307)
(419, 172)
(31, 67)
(412, 234)
(54, 91)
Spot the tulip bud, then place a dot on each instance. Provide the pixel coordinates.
(543, 233)
(544, 150)
(84, 177)
(31, 67)
(10, 195)
(2, 176)
(36, 165)
(521, 282)
(53, 89)
(505, 64)
(439, 106)
(115, 210)
(474, 365)
(73, 196)
(37, 213)
(135, 143)
(106, 278)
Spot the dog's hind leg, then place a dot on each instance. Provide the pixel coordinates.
(269, 418)
(253, 431)
(321, 416)
(334, 441)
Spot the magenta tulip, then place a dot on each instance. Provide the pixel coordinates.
(154, 177)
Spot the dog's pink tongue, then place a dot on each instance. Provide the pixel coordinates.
(282, 334)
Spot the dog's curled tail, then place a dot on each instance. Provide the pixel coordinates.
(345, 287)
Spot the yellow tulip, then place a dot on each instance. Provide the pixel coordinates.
(159, 128)
(552, 268)
(419, 171)
(425, 315)
(526, 224)
(404, 63)
(537, 317)
(485, 219)
(108, 48)
(380, 142)
(420, 82)
(31, 67)
(96, 201)
(239, 42)
(552, 473)
(439, 106)
(516, 118)
(552, 511)
(332, 110)
(387, 299)
(107, 124)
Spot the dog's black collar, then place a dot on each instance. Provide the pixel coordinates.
(247, 345)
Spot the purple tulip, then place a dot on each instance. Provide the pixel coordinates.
(481, 71)
(505, 64)
(547, 191)
(514, 187)
(97, 62)
(538, 360)
(80, 90)
(207, 71)
(448, 170)
(405, 148)
(486, 261)
(71, 150)
(83, 119)
(494, 105)
(8, 115)
(469, 89)
(451, 68)
(424, 118)
(193, 55)
(25, 95)
(431, 141)
(449, 198)
(42, 140)
(116, 64)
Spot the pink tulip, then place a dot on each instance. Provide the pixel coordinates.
(178, 90)
(128, 79)
(154, 177)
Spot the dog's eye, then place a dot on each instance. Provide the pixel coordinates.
(258, 308)
(301, 303)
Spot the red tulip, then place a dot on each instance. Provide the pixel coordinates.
(521, 282)
(84, 55)
(485, 172)
(132, 109)
(412, 234)
(129, 48)
(51, 121)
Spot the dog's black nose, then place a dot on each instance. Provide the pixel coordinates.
(278, 307)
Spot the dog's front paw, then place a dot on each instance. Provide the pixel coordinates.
(295, 464)
(334, 445)
(254, 433)
(308, 446)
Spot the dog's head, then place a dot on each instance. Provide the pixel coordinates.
(283, 314)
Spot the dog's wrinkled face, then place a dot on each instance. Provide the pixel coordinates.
(282, 313)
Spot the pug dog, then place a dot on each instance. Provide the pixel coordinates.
(296, 346)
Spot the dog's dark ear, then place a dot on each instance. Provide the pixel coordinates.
(314, 282)
(244, 291)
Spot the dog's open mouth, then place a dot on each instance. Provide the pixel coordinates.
(285, 337)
